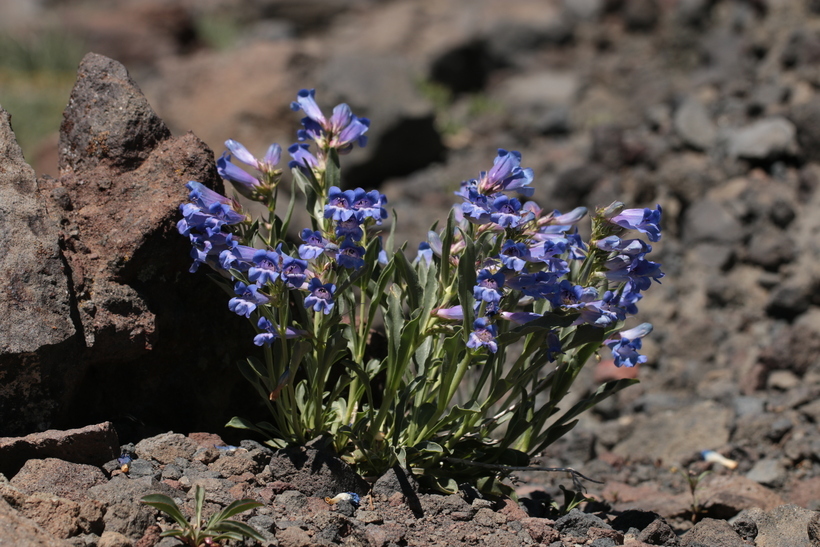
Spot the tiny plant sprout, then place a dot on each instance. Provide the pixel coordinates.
(201, 532)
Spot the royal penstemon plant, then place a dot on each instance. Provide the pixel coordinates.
(451, 363)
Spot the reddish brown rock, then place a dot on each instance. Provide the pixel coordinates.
(724, 496)
(58, 477)
(17, 530)
(94, 444)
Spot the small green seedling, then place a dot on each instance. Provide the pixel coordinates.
(693, 479)
(199, 532)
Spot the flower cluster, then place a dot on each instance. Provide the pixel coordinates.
(337, 311)
(536, 252)
(261, 276)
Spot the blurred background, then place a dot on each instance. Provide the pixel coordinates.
(707, 107)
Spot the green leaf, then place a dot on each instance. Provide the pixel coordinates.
(446, 243)
(263, 428)
(166, 505)
(466, 281)
(199, 497)
(239, 506)
(175, 532)
(429, 447)
(405, 269)
(333, 174)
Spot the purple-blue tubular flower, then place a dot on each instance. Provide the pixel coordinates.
(208, 205)
(506, 174)
(456, 313)
(266, 165)
(314, 244)
(519, 317)
(207, 249)
(339, 204)
(570, 218)
(270, 333)
(369, 205)
(267, 267)
(625, 349)
(640, 271)
(476, 208)
(515, 255)
(425, 253)
(646, 221)
(483, 335)
(349, 228)
(341, 131)
(574, 296)
(247, 299)
(301, 157)
(505, 211)
(244, 182)
(489, 285)
(293, 272)
(350, 255)
(539, 285)
(321, 296)
(602, 313)
(631, 247)
(240, 258)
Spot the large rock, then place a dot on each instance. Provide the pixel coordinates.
(20, 531)
(99, 297)
(95, 445)
(34, 299)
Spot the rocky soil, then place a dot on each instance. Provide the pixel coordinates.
(708, 107)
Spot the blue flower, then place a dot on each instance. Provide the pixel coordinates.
(267, 266)
(302, 158)
(644, 220)
(207, 249)
(489, 286)
(349, 228)
(339, 204)
(604, 312)
(320, 297)
(293, 271)
(247, 300)
(519, 317)
(506, 174)
(456, 313)
(638, 270)
(314, 244)
(483, 335)
(270, 333)
(369, 205)
(540, 285)
(239, 257)
(425, 253)
(341, 131)
(515, 255)
(208, 211)
(245, 183)
(504, 211)
(266, 165)
(625, 349)
(477, 207)
(574, 296)
(350, 255)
